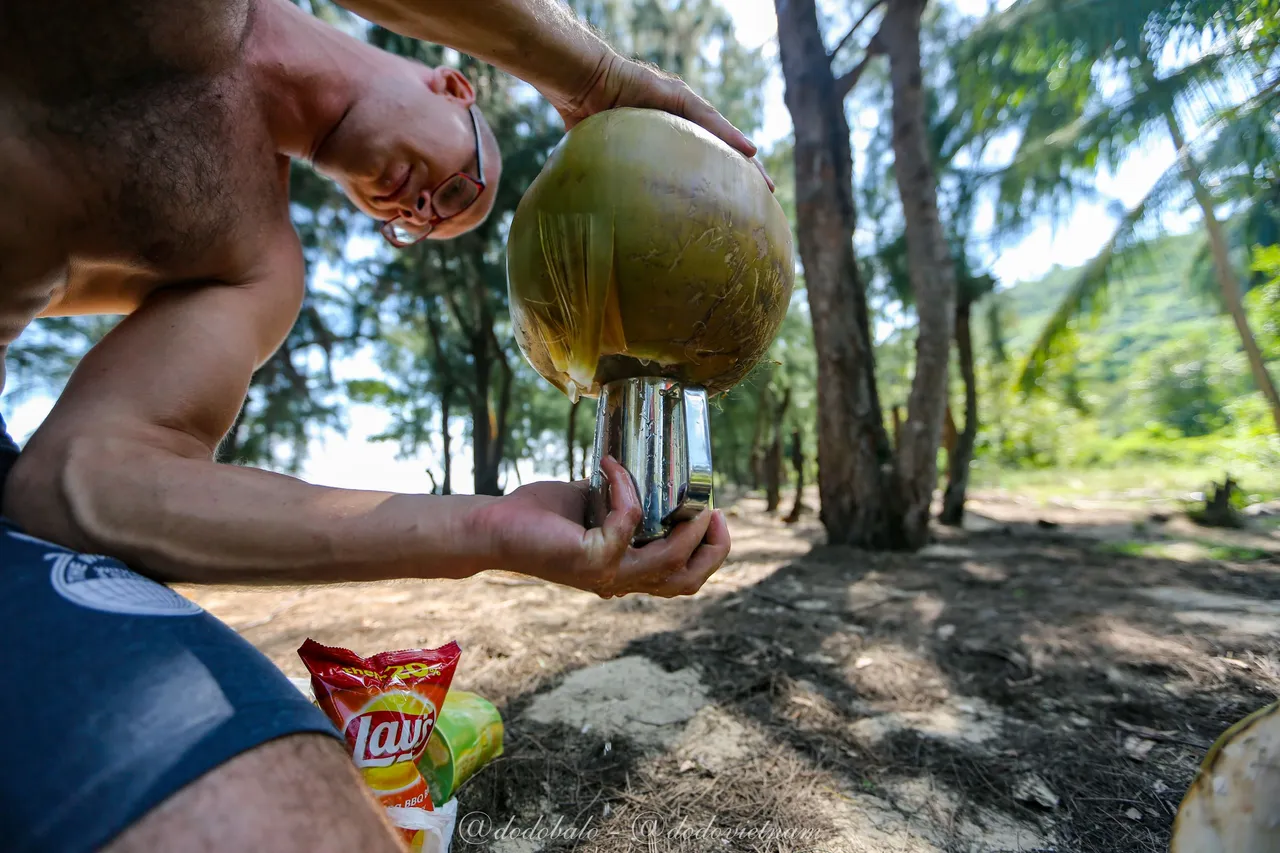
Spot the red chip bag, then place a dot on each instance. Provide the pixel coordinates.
(386, 707)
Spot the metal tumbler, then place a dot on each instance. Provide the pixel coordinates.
(660, 432)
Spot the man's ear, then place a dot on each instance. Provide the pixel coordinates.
(453, 83)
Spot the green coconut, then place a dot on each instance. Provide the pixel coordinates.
(1233, 805)
(647, 247)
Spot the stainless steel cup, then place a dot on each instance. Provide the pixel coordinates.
(660, 431)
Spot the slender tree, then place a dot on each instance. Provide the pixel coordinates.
(872, 496)
(797, 463)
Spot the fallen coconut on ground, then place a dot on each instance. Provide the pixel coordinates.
(1233, 805)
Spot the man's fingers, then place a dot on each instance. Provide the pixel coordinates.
(625, 512)
(705, 562)
(768, 180)
(651, 564)
(700, 111)
(606, 547)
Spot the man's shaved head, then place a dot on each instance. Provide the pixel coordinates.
(390, 130)
(408, 130)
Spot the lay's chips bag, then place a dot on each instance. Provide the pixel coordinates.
(386, 707)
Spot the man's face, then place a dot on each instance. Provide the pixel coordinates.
(402, 139)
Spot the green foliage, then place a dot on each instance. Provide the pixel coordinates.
(1263, 302)
(1179, 386)
(1080, 82)
(42, 360)
(1158, 381)
(294, 395)
(692, 39)
(1184, 549)
(741, 425)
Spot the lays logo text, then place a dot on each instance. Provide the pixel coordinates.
(380, 738)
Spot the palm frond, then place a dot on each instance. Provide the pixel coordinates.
(1096, 28)
(1038, 179)
(1246, 134)
(1201, 277)
(1088, 296)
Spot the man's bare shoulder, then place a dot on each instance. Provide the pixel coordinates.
(141, 159)
(66, 49)
(257, 244)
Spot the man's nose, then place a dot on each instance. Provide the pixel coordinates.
(420, 213)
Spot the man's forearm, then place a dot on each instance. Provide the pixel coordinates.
(540, 41)
(176, 518)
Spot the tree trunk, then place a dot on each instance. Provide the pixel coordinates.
(483, 426)
(861, 502)
(446, 484)
(773, 476)
(932, 272)
(1227, 282)
(797, 462)
(571, 437)
(441, 366)
(960, 457)
(773, 457)
(757, 456)
(728, 464)
(488, 426)
(486, 421)
(1218, 510)
(498, 444)
(949, 433)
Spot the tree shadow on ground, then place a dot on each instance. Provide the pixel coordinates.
(1001, 659)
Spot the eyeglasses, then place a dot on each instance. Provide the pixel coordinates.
(451, 197)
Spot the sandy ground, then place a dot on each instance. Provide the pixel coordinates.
(1046, 679)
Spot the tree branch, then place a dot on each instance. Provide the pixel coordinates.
(845, 82)
(867, 14)
(452, 299)
(504, 394)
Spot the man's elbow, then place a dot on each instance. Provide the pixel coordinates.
(63, 492)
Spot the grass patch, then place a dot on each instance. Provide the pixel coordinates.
(1129, 549)
(1136, 483)
(1184, 549)
(1235, 553)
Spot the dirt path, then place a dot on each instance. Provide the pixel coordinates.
(1016, 686)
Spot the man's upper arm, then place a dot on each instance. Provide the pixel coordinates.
(175, 372)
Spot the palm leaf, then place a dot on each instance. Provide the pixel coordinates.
(1100, 27)
(1049, 173)
(1088, 296)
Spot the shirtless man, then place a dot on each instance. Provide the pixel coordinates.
(143, 161)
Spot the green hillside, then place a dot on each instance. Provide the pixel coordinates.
(1150, 304)
(1158, 378)
(1155, 335)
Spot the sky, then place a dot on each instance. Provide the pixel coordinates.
(352, 461)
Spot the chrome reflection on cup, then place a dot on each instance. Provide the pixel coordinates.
(660, 431)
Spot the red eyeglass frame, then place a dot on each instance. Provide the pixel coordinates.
(391, 230)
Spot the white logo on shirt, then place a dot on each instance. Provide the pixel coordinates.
(101, 583)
